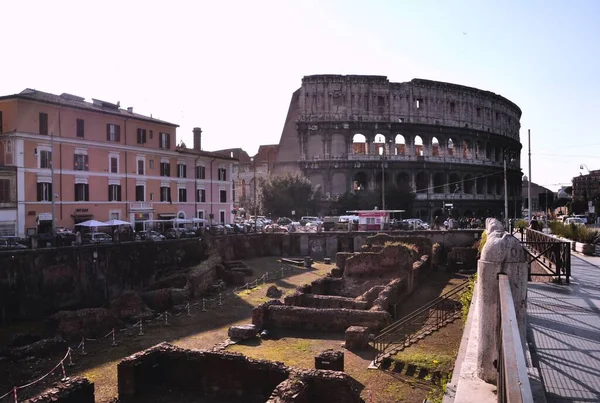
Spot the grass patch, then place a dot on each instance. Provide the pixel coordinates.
(432, 361)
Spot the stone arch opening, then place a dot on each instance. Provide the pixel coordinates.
(418, 146)
(468, 214)
(338, 183)
(435, 147)
(499, 186)
(422, 180)
(314, 147)
(467, 149)
(403, 180)
(243, 188)
(454, 182)
(480, 185)
(491, 185)
(1, 153)
(360, 181)
(468, 184)
(359, 144)
(478, 150)
(498, 154)
(439, 183)
(399, 145)
(379, 144)
(489, 152)
(450, 147)
(379, 176)
(480, 213)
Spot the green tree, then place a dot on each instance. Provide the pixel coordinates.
(399, 198)
(282, 194)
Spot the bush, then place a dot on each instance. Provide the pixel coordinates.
(521, 224)
(467, 297)
(578, 233)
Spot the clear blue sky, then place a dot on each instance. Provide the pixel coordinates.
(231, 67)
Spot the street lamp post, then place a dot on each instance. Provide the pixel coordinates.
(254, 197)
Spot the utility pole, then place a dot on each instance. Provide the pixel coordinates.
(53, 192)
(529, 179)
(505, 191)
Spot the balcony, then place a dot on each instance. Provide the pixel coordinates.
(456, 197)
(140, 206)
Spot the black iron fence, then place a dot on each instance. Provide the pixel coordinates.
(513, 381)
(421, 322)
(553, 255)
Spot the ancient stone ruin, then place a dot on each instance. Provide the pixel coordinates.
(360, 291)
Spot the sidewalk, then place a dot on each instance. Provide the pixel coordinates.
(564, 328)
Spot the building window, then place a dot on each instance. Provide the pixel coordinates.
(151, 164)
(222, 174)
(141, 136)
(200, 172)
(45, 159)
(201, 196)
(140, 166)
(82, 192)
(165, 194)
(80, 128)
(478, 110)
(452, 107)
(81, 162)
(165, 169)
(114, 164)
(222, 216)
(44, 191)
(181, 171)
(140, 193)
(114, 192)
(223, 196)
(4, 190)
(151, 196)
(113, 132)
(0, 122)
(200, 214)
(182, 195)
(43, 123)
(164, 141)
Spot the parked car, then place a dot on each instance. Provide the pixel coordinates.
(175, 233)
(10, 243)
(284, 221)
(97, 237)
(574, 220)
(149, 236)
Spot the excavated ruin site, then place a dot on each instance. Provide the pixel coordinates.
(357, 297)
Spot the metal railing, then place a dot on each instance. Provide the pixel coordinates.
(513, 381)
(423, 321)
(553, 255)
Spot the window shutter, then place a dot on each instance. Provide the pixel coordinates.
(109, 195)
(167, 169)
(75, 161)
(144, 136)
(139, 136)
(168, 140)
(50, 194)
(40, 189)
(118, 192)
(86, 163)
(108, 132)
(185, 171)
(117, 133)
(86, 195)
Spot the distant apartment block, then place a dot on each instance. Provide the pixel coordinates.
(96, 160)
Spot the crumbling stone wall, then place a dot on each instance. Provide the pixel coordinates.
(423, 244)
(36, 283)
(392, 259)
(75, 390)
(225, 374)
(323, 301)
(334, 320)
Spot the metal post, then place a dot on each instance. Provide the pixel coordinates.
(529, 179)
(52, 182)
(382, 182)
(505, 193)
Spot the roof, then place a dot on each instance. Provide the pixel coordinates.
(74, 101)
(213, 154)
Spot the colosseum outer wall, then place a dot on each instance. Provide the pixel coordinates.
(447, 142)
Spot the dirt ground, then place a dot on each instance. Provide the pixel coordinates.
(204, 330)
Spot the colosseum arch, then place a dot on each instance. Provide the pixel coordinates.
(489, 152)
(439, 182)
(468, 184)
(338, 183)
(491, 185)
(378, 177)
(317, 180)
(418, 146)
(467, 148)
(480, 185)
(403, 180)
(359, 144)
(314, 148)
(453, 181)
(450, 148)
(399, 145)
(422, 182)
(435, 147)
(379, 144)
(479, 150)
(338, 145)
(243, 188)
(360, 181)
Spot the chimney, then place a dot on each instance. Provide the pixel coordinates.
(130, 109)
(197, 139)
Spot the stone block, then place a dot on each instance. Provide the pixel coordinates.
(330, 360)
(357, 337)
(242, 332)
(273, 292)
(75, 390)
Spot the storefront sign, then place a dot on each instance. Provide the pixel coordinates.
(141, 216)
(45, 217)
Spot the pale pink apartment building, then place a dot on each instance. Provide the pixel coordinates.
(102, 162)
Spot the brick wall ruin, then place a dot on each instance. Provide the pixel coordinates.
(74, 390)
(226, 375)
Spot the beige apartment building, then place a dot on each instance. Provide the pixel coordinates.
(95, 160)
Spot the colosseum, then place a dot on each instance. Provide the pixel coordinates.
(446, 142)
